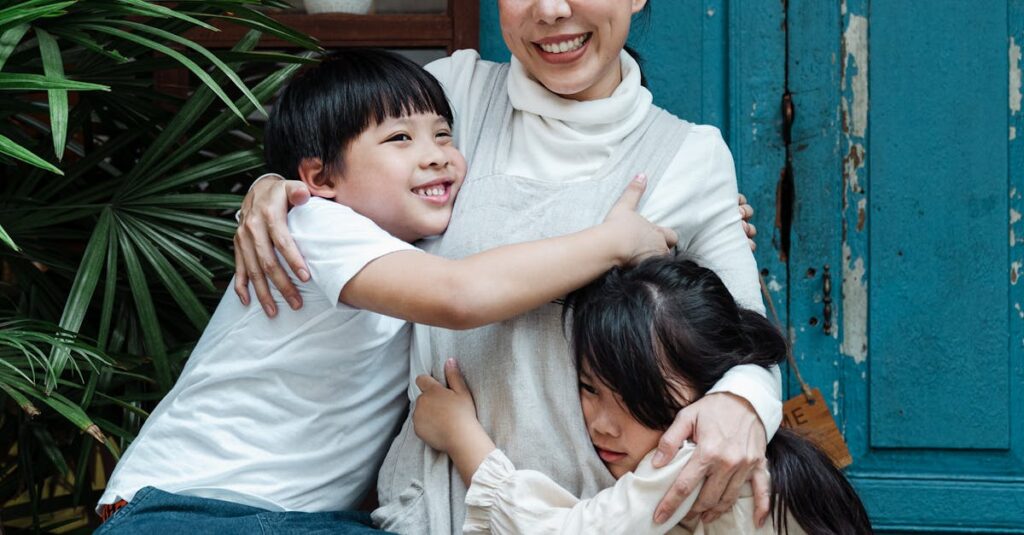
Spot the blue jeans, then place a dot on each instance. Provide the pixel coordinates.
(153, 511)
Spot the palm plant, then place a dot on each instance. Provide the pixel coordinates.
(113, 202)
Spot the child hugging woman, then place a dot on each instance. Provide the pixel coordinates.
(646, 342)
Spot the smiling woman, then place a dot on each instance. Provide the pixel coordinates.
(551, 140)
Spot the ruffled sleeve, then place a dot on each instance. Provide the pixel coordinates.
(503, 500)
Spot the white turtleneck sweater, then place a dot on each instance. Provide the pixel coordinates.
(565, 140)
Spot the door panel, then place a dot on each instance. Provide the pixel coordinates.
(920, 216)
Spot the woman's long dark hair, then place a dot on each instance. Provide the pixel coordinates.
(642, 330)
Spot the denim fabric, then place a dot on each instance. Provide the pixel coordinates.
(153, 511)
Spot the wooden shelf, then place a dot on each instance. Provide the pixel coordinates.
(457, 28)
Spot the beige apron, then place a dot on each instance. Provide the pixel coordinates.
(520, 371)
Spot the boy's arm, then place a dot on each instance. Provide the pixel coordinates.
(501, 283)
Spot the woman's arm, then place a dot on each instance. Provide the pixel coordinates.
(733, 424)
(506, 281)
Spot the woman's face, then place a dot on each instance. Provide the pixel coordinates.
(570, 46)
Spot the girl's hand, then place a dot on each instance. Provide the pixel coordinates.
(442, 415)
(262, 229)
(638, 237)
(746, 214)
(731, 445)
(445, 418)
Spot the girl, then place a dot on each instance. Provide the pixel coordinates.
(647, 342)
(552, 138)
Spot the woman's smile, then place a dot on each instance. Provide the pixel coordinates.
(563, 48)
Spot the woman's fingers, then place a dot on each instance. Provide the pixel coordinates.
(690, 479)
(711, 494)
(297, 194)
(760, 481)
(241, 278)
(254, 273)
(728, 498)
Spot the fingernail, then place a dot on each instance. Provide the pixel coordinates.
(661, 517)
(450, 363)
(303, 275)
(659, 458)
(641, 178)
(269, 310)
(295, 303)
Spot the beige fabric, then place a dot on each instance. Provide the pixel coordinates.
(506, 501)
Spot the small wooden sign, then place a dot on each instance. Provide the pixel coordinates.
(811, 419)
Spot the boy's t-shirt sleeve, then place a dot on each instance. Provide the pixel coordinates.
(338, 243)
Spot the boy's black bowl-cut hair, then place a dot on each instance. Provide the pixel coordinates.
(325, 107)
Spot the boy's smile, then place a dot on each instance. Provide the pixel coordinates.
(403, 173)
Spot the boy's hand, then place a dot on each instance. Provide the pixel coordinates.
(638, 237)
(262, 229)
(444, 416)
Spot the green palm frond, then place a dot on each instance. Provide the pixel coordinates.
(116, 196)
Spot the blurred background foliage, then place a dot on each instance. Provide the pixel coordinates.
(116, 203)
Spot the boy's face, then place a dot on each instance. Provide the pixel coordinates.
(404, 174)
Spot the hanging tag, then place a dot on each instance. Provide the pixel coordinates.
(811, 419)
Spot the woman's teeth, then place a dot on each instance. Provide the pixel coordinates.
(564, 46)
(431, 191)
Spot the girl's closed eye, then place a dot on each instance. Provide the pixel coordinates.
(588, 388)
(401, 136)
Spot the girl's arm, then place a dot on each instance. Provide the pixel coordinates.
(503, 500)
(506, 281)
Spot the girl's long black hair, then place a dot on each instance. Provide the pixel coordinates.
(642, 330)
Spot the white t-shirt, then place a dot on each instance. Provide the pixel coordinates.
(292, 413)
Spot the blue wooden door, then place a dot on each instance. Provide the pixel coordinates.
(906, 152)
(908, 173)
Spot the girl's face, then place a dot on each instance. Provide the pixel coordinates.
(404, 174)
(570, 46)
(620, 440)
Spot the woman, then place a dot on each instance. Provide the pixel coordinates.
(551, 138)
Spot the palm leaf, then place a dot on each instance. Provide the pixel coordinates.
(12, 149)
(175, 284)
(30, 10)
(36, 82)
(6, 238)
(9, 40)
(152, 334)
(83, 288)
(53, 67)
(187, 63)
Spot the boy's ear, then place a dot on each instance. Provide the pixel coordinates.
(311, 172)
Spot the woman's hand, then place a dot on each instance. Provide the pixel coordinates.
(445, 418)
(639, 237)
(746, 214)
(730, 451)
(263, 227)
